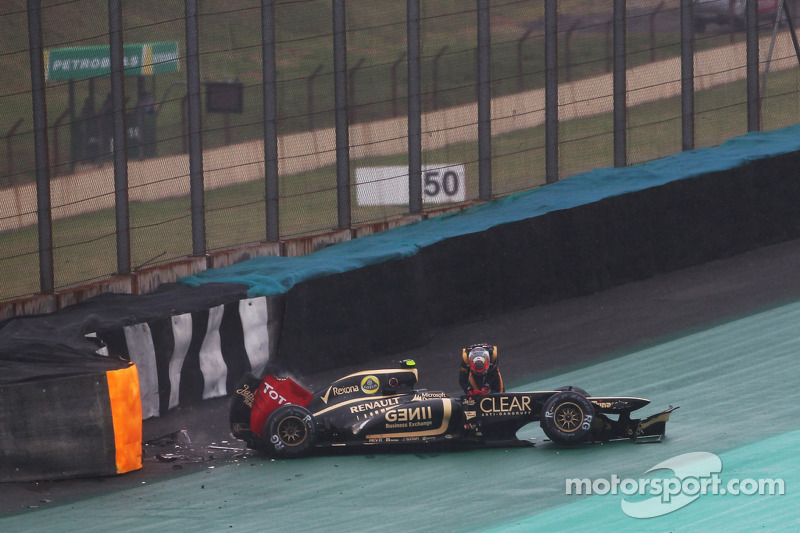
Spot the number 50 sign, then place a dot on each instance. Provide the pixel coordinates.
(389, 185)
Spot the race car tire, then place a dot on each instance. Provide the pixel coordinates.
(290, 431)
(576, 389)
(567, 417)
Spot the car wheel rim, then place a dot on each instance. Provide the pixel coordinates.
(292, 431)
(568, 417)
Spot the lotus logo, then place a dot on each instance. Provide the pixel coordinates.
(370, 385)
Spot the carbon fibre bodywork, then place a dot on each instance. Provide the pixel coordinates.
(382, 407)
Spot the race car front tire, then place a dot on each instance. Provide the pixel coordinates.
(574, 388)
(567, 417)
(290, 431)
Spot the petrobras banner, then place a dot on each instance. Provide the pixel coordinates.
(441, 183)
(81, 62)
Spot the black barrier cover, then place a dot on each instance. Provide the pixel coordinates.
(459, 278)
(55, 344)
(234, 352)
(347, 318)
(523, 269)
(168, 350)
(109, 310)
(161, 330)
(56, 428)
(334, 321)
(776, 190)
(32, 359)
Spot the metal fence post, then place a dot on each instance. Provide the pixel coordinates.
(687, 76)
(270, 95)
(551, 90)
(342, 125)
(195, 130)
(45, 223)
(121, 207)
(620, 111)
(414, 108)
(753, 100)
(484, 103)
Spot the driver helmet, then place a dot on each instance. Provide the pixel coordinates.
(479, 360)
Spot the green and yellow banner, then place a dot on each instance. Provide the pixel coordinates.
(82, 62)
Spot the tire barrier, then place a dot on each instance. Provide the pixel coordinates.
(68, 408)
(189, 357)
(71, 426)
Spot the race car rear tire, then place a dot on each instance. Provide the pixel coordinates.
(290, 431)
(567, 417)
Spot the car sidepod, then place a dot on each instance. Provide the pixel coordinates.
(419, 419)
(381, 406)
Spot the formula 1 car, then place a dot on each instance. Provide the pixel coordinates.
(381, 407)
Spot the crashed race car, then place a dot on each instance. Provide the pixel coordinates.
(381, 407)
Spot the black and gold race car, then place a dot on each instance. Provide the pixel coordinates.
(382, 407)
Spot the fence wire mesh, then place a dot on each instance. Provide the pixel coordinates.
(80, 141)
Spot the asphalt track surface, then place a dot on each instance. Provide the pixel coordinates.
(720, 340)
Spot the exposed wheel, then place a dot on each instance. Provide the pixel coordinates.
(576, 389)
(567, 417)
(290, 431)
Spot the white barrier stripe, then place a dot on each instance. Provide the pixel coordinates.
(254, 314)
(143, 355)
(182, 338)
(212, 365)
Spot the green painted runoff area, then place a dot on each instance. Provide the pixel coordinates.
(735, 383)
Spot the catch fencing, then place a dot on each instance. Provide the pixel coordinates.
(157, 130)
